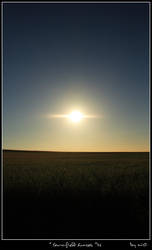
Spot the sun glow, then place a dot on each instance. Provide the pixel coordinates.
(75, 116)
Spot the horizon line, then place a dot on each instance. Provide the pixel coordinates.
(60, 151)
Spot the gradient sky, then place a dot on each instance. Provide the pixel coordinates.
(90, 57)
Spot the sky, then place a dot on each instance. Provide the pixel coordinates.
(91, 57)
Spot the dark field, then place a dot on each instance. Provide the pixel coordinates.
(55, 195)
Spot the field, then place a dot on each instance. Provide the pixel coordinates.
(58, 195)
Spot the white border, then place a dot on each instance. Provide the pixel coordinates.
(78, 2)
(2, 124)
(58, 2)
(149, 122)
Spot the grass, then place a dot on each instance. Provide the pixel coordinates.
(75, 195)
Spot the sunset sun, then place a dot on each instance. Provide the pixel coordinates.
(75, 116)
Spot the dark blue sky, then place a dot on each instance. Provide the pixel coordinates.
(94, 57)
